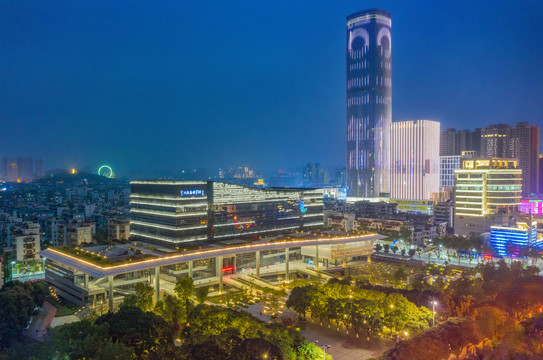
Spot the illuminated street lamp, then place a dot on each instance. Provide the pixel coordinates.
(324, 347)
(434, 303)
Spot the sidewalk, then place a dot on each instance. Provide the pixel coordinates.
(38, 328)
(342, 346)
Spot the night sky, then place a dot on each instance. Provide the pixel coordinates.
(175, 84)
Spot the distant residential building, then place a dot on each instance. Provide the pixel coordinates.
(25, 166)
(345, 222)
(25, 238)
(453, 142)
(10, 171)
(39, 168)
(315, 175)
(488, 192)
(518, 142)
(414, 155)
(444, 213)
(73, 234)
(375, 209)
(496, 141)
(118, 229)
(525, 148)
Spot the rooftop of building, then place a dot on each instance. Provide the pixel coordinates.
(103, 260)
(369, 12)
(204, 182)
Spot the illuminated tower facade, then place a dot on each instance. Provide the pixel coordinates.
(369, 102)
(414, 152)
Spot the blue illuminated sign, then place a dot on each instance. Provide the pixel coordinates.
(192, 192)
(301, 205)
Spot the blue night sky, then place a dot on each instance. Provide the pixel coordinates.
(173, 84)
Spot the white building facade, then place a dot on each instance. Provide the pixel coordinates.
(414, 169)
(447, 165)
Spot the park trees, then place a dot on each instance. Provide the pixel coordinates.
(299, 299)
(184, 287)
(201, 294)
(361, 309)
(17, 301)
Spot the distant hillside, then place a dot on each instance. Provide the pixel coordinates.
(78, 178)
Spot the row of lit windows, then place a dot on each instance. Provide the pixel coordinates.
(358, 100)
(358, 65)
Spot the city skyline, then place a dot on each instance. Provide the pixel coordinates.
(84, 96)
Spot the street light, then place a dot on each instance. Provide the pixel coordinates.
(324, 347)
(434, 303)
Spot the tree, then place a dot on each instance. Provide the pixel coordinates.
(400, 274)
(143, 331)
(387, 248)
(412, 252)
(184, 287)
(143, 295)
(174, 312)
(254, 348)
(378, 247)
(101, 236)
(17, 301)
(406, 235)
(299, 299)
(201, 294)
(403, 252)
(394, 249)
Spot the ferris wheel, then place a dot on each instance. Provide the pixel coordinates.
(105, 170)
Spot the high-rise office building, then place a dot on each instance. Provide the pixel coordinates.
(488, 192)
(525, 148)
(495, 141)
(175, 212)
(414, 154)
(369, 102)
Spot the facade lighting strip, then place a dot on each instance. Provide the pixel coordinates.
(165, 227)
(165, 213)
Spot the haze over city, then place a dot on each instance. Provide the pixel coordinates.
(171, 85)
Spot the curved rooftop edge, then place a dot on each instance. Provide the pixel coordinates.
(368, 12)
(97, 271)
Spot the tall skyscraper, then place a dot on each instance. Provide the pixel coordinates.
(495, 141)
(525, 148)
(369, 102)
(519, 142)
(10, 171)
(39, 168)
(454, 143)
(414, 153)
(26, 168)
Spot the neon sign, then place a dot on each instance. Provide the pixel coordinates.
(227, 269)
(192, 192)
